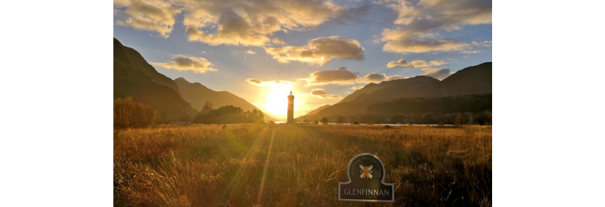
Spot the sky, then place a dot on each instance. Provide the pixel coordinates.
(322, 51)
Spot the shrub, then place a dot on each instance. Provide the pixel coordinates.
(131, 114)
(325, 120)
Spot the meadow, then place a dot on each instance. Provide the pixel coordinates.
(298, 165)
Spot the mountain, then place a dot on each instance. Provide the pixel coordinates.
(315, 111)
(134, 77)
(474, 80)
(197, 94)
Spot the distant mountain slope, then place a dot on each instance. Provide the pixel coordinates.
(197, 94)
(133, 76)
(371, 87)
(315, 111)
(472, 80)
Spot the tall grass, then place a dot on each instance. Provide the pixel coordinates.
(209, 166)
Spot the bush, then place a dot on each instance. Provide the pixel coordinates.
(325, 120)
(131, 114)
(355, 122)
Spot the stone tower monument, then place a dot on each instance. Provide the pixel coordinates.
(290, 109)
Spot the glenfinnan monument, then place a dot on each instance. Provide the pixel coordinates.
(290, 109)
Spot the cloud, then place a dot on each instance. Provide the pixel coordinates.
(181, 62)
(419, 63)
(151, 15)
(401, 41)
(399, 63)
(374, 78)
(482, 44)
(252, 23)
(357, 87)
(426, 15)
(321, 93)
(437, 62)
(377, 78)
(357, 15)
(471, 52)
(394, 77)
(272, 83)
(422, 20)
(233, 30)
(250, 52)
(278, 40)
(414, 63)
(340, 76)
(319, 51)
(440, 73)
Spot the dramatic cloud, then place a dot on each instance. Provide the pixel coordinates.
(319, 51)
(340, 76)
(180, 62)
(151, 15)
(240, 22)
(374, 78)
(250, 52)
(377, 78)
(414, 63)
(428, 15)
(401, 41)
(321, 93)
(423, 20)
(258, 82)
(440, 73)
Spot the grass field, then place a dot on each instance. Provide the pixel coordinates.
(298, 165)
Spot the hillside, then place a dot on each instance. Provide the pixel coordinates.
(134, 77)
(315, 111)
(474, 80)
(197, 94)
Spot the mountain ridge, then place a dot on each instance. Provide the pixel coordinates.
(197, 94)
(472, 80)
(134, 77)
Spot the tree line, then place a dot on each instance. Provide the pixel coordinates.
(128, 113)
(227, 115)
(458, 110)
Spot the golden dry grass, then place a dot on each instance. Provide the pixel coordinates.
(297, 165)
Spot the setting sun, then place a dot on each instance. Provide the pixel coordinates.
(277, 100)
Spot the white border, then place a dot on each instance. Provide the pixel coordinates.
(381, 181)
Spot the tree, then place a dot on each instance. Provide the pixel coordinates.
(207, 108)
(128, 113)
(324, 120)
(460, 119)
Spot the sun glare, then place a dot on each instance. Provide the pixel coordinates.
(277, 100)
